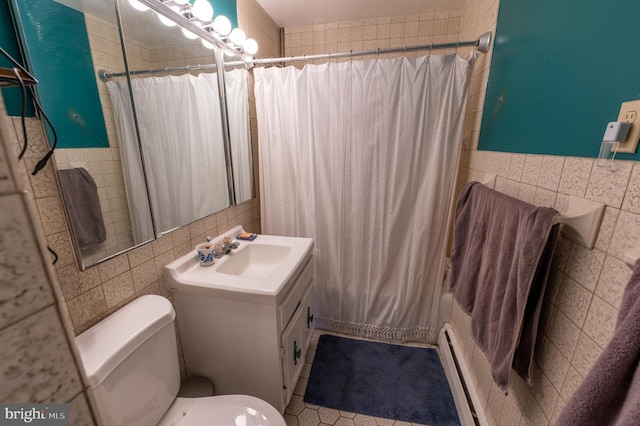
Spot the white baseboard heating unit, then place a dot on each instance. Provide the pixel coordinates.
(470, 410)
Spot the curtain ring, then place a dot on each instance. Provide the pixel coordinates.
(378, 54)
(457, 46)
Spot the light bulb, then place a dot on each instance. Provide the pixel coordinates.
(138, 6)
(250, 46)
(222, 25)
(237, 37)
(202, 10)
(168, 22)
(188, 34)
(207, 44)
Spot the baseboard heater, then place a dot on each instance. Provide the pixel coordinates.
(468, 404)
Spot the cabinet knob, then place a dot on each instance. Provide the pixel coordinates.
(297, 352)
(309, 317)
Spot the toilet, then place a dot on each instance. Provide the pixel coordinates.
(131, 362)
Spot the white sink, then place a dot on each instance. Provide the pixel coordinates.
(255, 260)
(259, 269)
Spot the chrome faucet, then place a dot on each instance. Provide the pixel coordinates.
(220, 250)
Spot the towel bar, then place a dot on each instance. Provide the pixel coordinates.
(631, 257)
(583, 218)
(489, 180)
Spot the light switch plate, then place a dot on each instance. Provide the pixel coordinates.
(630, 113)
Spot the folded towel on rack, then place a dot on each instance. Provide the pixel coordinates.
(610, 394)
(501, 256)
(83, 206)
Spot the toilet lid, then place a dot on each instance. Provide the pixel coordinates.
(223, 410)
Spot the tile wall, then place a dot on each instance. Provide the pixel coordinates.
(582, 301)
(37, 361)
(397, 31)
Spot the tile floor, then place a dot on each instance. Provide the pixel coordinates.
(299, 413)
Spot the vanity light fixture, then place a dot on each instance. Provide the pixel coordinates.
(250, 47)
(222, 25)
(202, 10)
(168, 22)
(201, 15)
(188, 34)
(238, 37)
(138, 6)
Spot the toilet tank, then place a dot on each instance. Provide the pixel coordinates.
(131, 362)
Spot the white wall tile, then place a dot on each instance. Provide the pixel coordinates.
(527, 193)
(601, 321)
(571, 383)
(613, 280)
(23, 288)
(575, 176)
(586, 354)
(626, 234)
(550, 172)
(584, 265)
(37, 364)
(607, 227)
(574, 301)
(532, 167)
(516, 167)
(632, 197)
(504, 164)
(563, 333)
(555, 366)
(608, 183)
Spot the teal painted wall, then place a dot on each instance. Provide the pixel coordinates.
(9, 42)
(57, 48)
(228, 8)
(559, 72)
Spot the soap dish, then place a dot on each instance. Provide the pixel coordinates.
(247, 236)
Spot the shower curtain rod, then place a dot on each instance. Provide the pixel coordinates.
(482, 44)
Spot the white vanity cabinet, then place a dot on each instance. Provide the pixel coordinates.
(245, 341)
(295, 342)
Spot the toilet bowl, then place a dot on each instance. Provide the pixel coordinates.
(130, 360)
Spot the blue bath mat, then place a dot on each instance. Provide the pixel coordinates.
(381, 380)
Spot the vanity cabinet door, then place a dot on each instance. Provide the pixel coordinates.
(295, 341)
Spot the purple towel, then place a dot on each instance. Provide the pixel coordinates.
(83, 206)
(500, 257)
(610, 394)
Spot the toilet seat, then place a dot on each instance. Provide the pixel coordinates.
(222, 410)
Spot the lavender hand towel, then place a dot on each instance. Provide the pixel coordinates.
(610, 394)
(83, 206)
(501, 255)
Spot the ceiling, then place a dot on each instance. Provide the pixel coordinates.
(294, 13)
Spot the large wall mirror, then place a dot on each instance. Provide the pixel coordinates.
(156, 151)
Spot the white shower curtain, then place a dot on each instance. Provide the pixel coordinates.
(239, 132)
(361, 156)
(181, 138)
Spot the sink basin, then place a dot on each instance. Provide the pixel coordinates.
(259, 269)
(255, 260)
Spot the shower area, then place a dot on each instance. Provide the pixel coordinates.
(361, 155)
